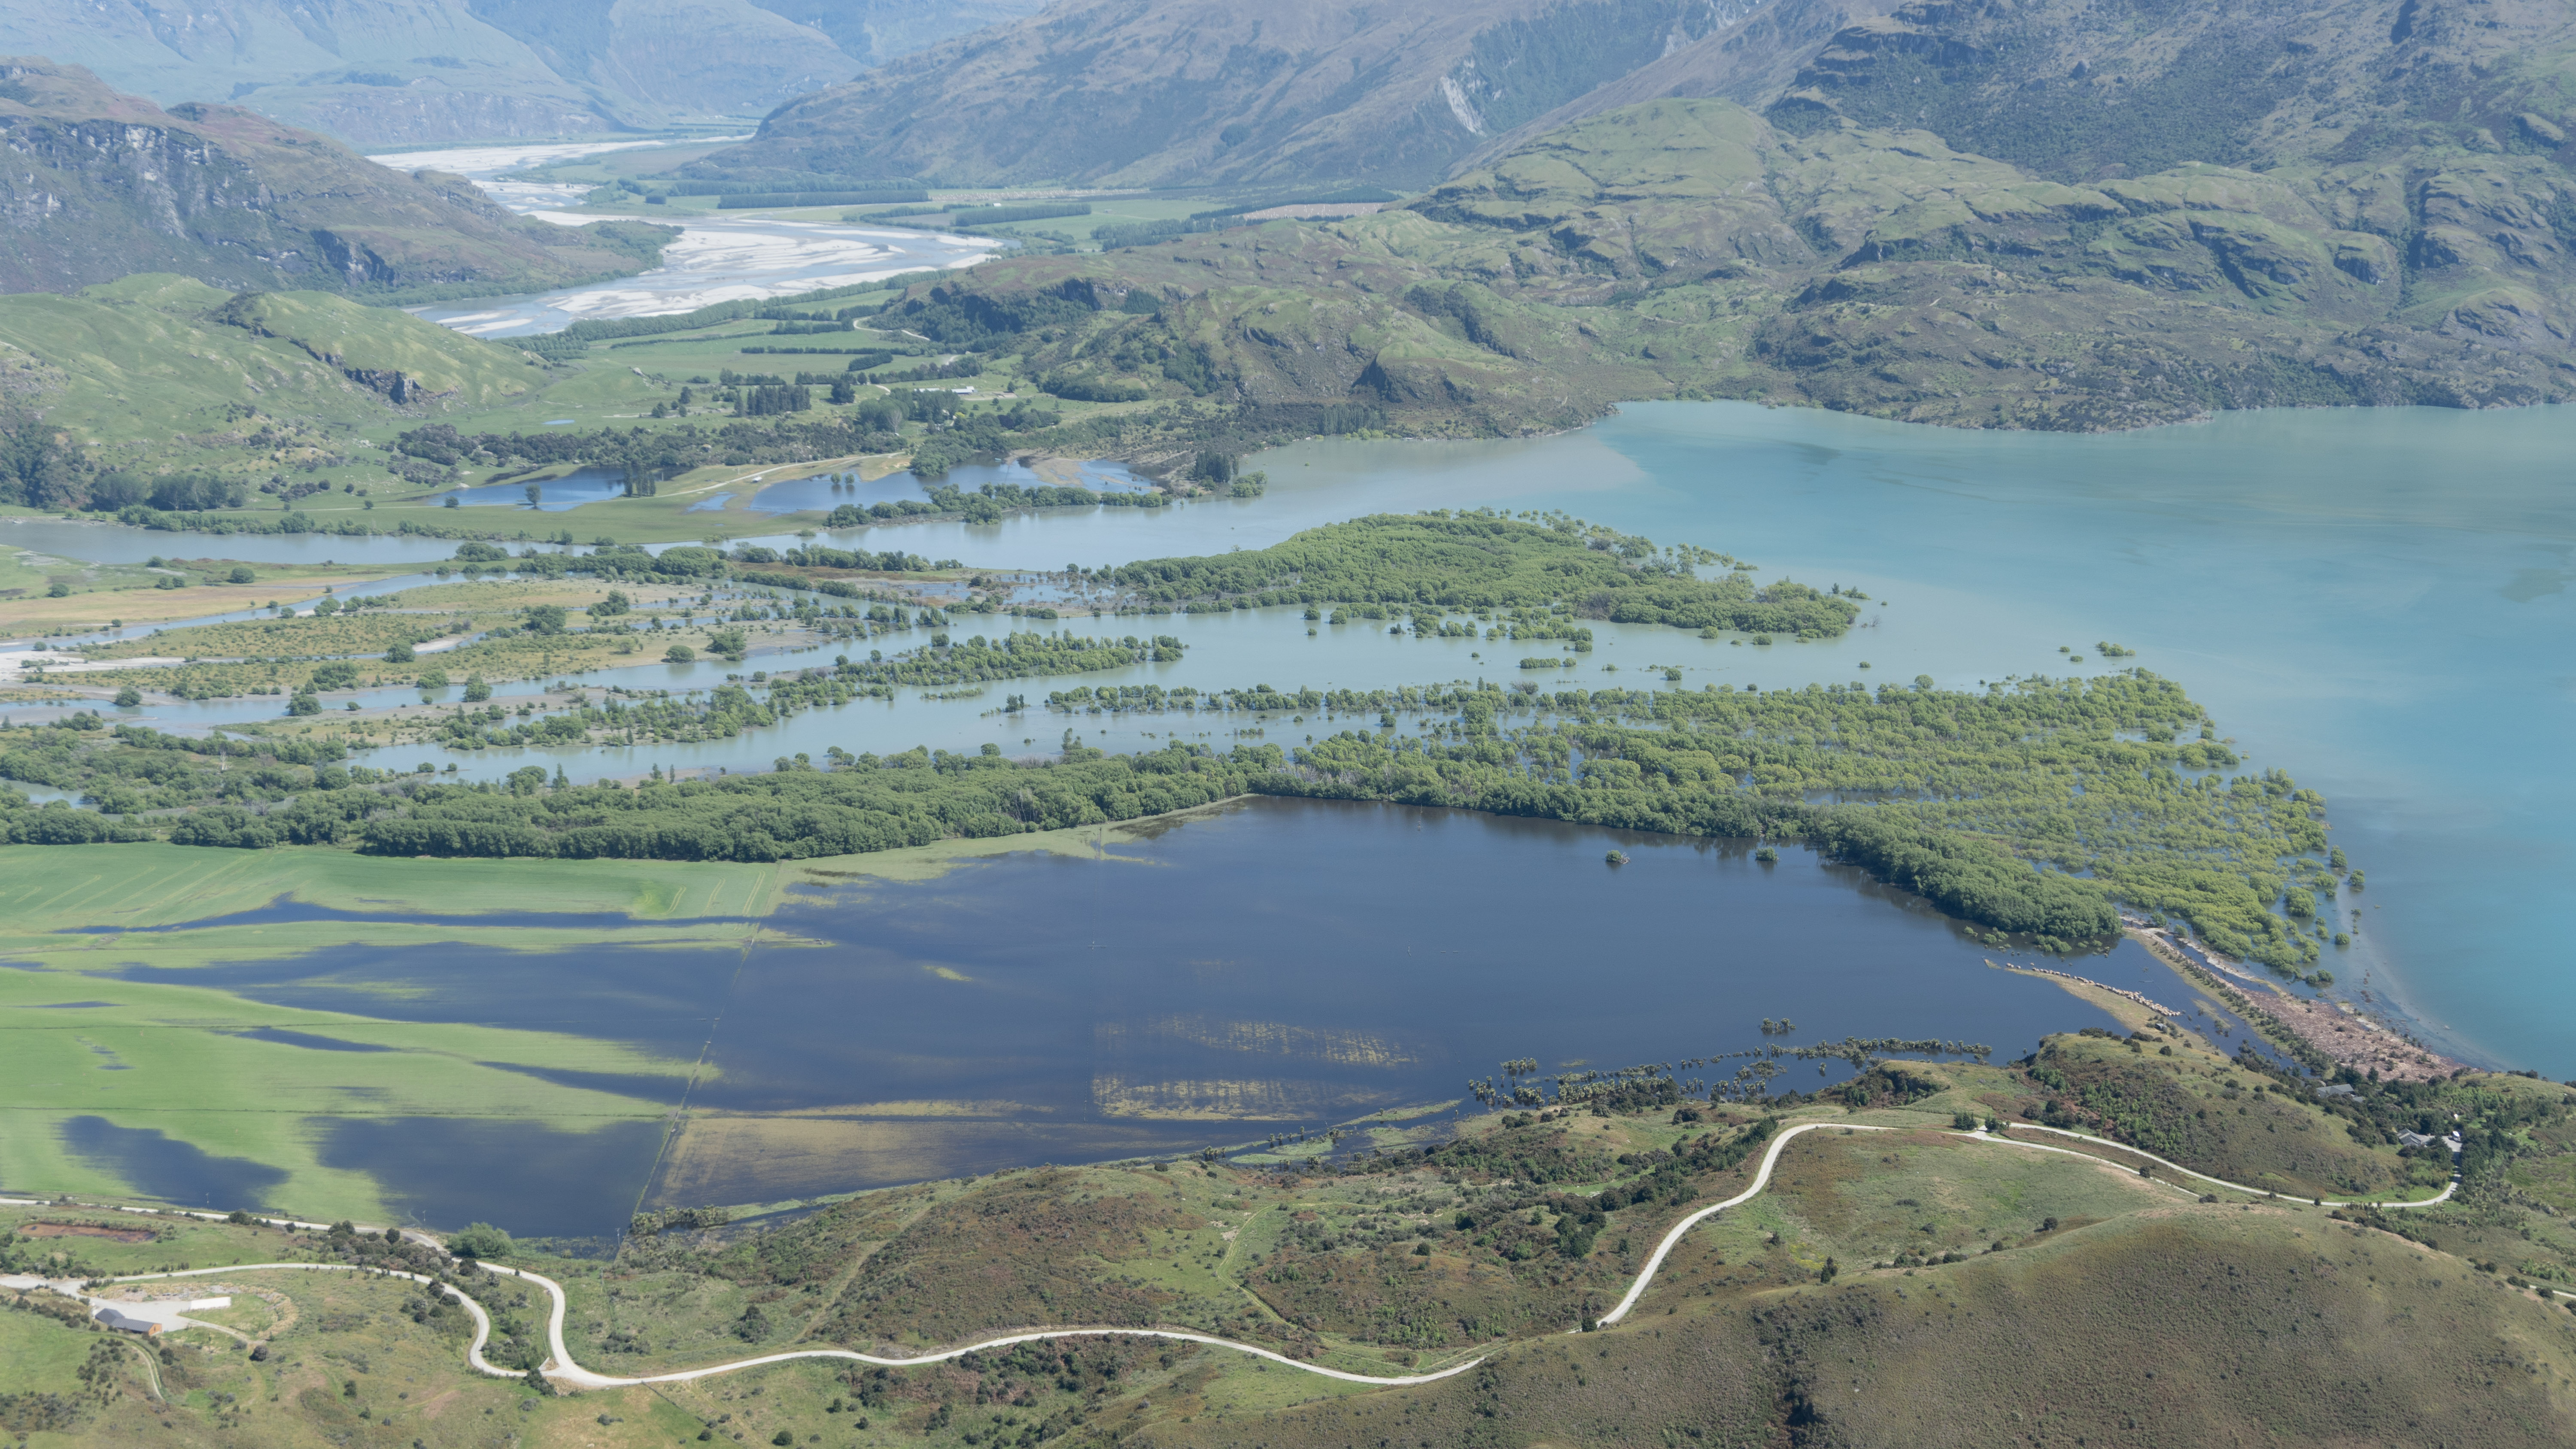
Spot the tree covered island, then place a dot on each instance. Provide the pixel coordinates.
(1485, 560)
(2031, 808)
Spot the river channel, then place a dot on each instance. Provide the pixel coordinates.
(718, 257)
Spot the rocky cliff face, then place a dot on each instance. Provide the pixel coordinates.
(100, 185)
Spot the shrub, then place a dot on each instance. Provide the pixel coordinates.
(480, 1240)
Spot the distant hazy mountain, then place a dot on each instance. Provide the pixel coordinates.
(385, 72)
(1134, 92)
(100, 185)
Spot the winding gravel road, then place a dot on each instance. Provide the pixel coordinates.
(562, 1369)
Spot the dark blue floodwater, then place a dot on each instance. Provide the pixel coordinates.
(307, 1040)
(1273, 964)
(441, 1170)
(164, 1167)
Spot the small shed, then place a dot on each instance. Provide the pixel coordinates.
(126, 1323)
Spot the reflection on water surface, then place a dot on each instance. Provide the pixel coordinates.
(1270, 965)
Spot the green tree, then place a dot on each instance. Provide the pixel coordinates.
(476, 689)
(480, 1240)
(544, 618)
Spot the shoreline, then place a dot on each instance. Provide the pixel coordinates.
(2335, 1030)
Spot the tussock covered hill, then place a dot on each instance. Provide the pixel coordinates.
(2178, 1328)
(102, 184)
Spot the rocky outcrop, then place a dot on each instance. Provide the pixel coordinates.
(398, 389)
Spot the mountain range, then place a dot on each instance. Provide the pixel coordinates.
(1978, 212)
(1181, 93)
(417, 72)
(2017, 213)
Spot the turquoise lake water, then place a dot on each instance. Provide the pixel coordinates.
(2373, 600)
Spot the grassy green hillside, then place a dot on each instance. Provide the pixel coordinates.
(2175, 1327)
(150, 355)
(321, 415)
(1695, 249)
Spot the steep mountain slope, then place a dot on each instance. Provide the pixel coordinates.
(415, 71)
(2062, 214)
(101, 185)
(1751, 61)
(1692, 248)
(1135, 92)
(2397, 216)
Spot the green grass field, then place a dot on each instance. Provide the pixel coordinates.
(168, 1056)
(101, 594)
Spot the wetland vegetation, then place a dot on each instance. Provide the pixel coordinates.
(1485, 561)
(2028, 808)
